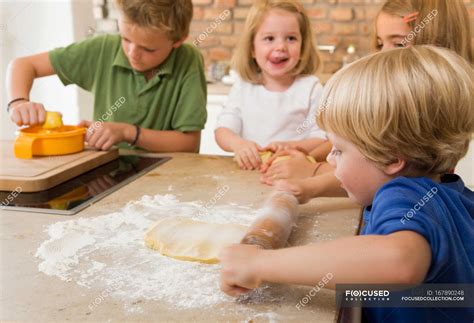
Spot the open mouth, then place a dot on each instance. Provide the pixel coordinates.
(279, 60)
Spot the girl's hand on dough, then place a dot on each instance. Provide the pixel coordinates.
(295, 166)
(238, 272)
(277, 146)
(247, 154)
(290, 152)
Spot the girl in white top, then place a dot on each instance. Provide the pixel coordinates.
(274, 103)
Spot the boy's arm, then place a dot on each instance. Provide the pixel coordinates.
(310, 144)
(168, 140)
(109, 133)
(321, 152)
(324, 185)
(20, 75)
(22, 71)
(402, 257)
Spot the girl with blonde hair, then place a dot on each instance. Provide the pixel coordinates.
(277, 92)
(442, 23)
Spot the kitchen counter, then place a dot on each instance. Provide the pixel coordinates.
(30, 295)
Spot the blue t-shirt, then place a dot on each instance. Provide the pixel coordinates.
(443, 213)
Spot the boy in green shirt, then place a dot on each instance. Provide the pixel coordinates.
(149, 88)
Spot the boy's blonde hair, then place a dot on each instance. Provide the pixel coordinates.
(450, 27)
(414, 103)
(172, 16)
(243, 61)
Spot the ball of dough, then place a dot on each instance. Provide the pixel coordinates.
(266, 155)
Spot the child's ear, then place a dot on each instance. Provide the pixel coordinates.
(180, 42)
(395, 167)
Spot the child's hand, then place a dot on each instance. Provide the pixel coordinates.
(103, 135)
(297, 166)
(238, 274)
(247, 154)
(277, 146)
(300, 188)
(27, 113)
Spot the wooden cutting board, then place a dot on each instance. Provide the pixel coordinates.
(42, 173)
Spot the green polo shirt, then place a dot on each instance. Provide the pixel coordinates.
(173, 99)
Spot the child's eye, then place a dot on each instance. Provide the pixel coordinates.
(335, 152)
(292, 38)
(399, 45)
(149, 50)
(269, 38)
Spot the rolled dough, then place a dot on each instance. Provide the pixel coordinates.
(190, 240)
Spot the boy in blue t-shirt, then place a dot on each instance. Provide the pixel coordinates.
(398, 121)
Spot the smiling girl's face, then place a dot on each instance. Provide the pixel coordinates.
(391, 31)
(277, 45)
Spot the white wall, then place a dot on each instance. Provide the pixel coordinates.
(30, 27)
(208, 143)
(465, 168)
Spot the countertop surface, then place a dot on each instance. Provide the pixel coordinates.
(30, 294)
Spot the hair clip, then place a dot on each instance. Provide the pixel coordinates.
(410, 17)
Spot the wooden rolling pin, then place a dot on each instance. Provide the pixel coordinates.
(274, 222)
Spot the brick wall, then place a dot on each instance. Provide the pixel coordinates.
(335, 22)
(217, 24)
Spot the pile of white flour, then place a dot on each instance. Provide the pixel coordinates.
(109, 252)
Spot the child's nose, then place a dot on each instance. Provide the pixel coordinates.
(133, 51)
(281, 45)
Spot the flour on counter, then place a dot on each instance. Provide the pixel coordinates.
(109, 250)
